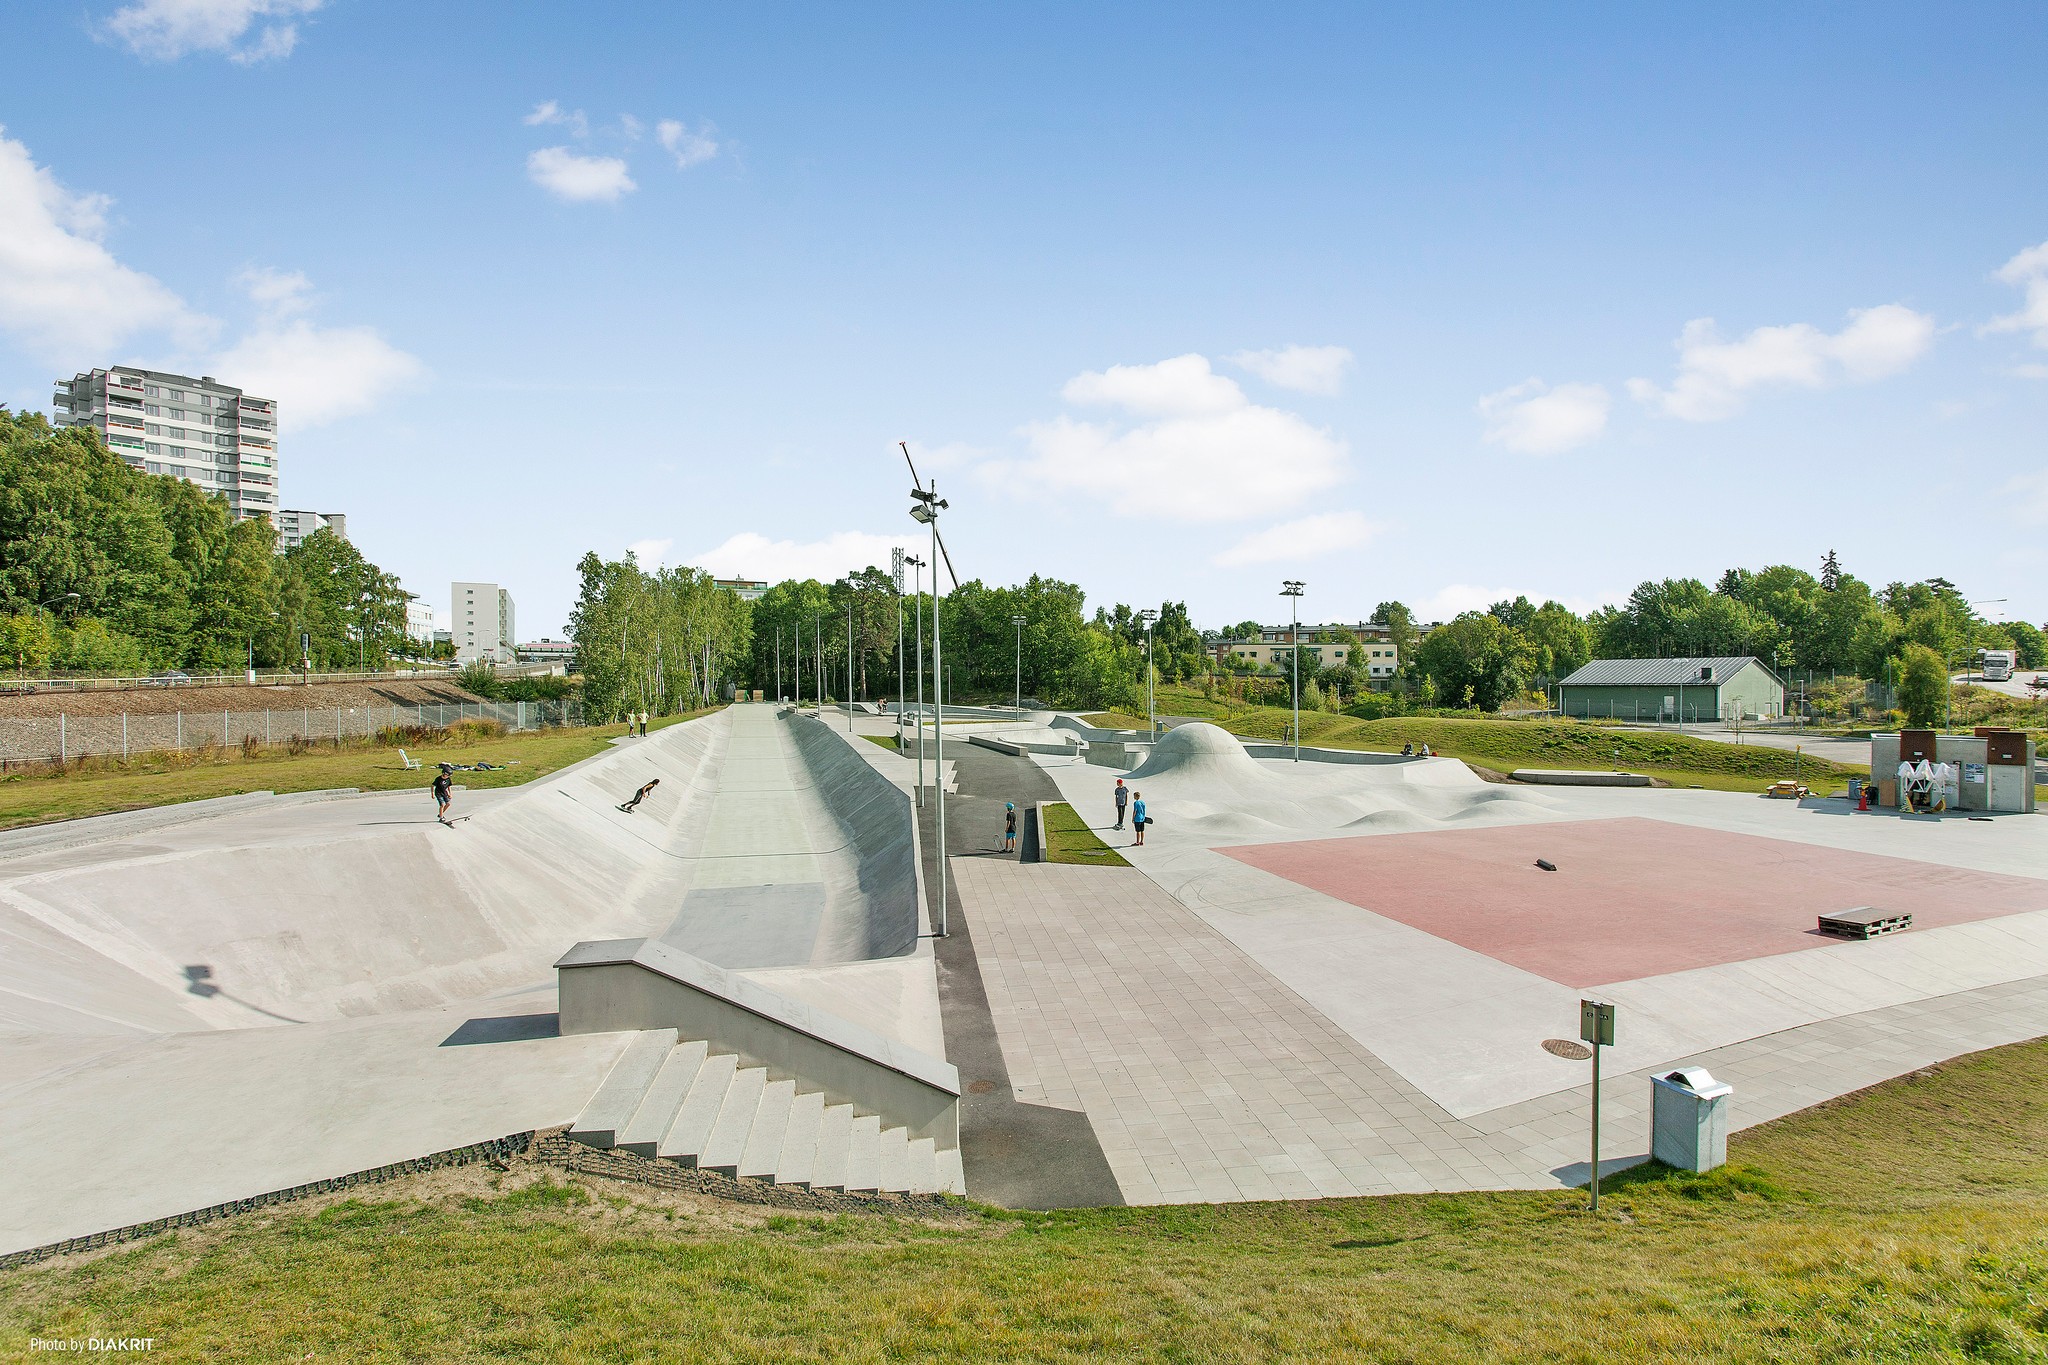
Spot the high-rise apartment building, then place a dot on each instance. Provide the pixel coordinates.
(199, 430)
(294, 526)
(480, 621)
(419, 620)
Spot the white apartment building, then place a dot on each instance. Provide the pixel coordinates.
(294, 526)
(480, 623)
(419, 620)
(198, 430)
(1375, 654)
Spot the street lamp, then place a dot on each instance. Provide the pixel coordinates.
(849, 664)
(1018, 622)
(1290, 588)
(1148, 616)
(924, 510)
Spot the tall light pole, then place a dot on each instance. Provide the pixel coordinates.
(1290, 589)
(1018, 622)
(917, 592)
(849, 665)
(896, 570)
(1148, 616)
(778, 663)
(926, 509)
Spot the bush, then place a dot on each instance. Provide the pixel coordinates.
(480, 678)
(470, 731)
(1923, 686)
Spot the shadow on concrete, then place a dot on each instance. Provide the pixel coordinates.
(505, 1028)
(1025, 1156)
(1579, 1174)
(199, 982)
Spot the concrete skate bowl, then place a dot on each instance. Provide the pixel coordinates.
(358, 908)
(1200, 777)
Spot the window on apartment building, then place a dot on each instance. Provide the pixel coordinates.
(177, 395)
(151, 391)
(153, 467)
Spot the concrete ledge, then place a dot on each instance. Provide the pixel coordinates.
(626, 984)
(1310, 755)
(1017, 748)
(1564, 777)
(121, 824)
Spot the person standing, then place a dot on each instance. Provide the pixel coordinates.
(1138, 820)
(444, 793)
(1123, 800)
(1009, 826)
(643, 724)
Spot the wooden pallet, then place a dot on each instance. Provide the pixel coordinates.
(1865, 922)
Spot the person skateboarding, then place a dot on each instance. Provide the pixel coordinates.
(639, 796)
(444, 792)
(1138, 820)
(1009, 826)
(1123, 799)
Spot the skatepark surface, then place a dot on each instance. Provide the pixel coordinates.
(212, 1009)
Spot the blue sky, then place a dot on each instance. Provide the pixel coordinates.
(1436, 303)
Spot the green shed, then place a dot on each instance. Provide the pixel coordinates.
(1735, 687)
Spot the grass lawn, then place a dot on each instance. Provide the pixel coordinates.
(886, 741)
(1908, 1223)
(99, 786)
(1069, 840)
(1504, 745)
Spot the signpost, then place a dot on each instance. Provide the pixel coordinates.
(1596, 1026)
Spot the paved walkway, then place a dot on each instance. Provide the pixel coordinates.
(1206, 1079)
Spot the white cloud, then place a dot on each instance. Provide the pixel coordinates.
(651, 554)
(63, 296)
(689, 147)
(276, 291)
(164, 30)
(579, 178)
(551, 112)
(2029, 371)
(951, 455)
(1716, 376)
(1207, 454)
(631, 127)
(1183, 386)
(752, 555)
(1536, 419)
(2029, 498)
(1305, 369)
(1300, 539)
(2027, 271)
(316, 374)
(1458, 598)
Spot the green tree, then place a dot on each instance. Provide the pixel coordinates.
(1923, 685)
(1473, 660)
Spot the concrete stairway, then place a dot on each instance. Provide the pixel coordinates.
(677, 1101)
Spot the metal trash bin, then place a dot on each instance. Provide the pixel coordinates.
(1855, 789)
(1689, 1119)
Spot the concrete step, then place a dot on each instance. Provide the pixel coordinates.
(893, 1167)
(864, 1156)
(686, 1137)
(764, 1139)
(799, 1156)
(616, 1100)
(951, 1179)
(835, 1144)
(922, 1161)
(643, 1133)
(728, 1141)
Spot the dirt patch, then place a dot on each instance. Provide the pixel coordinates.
(162, 701)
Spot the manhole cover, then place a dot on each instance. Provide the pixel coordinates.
(1567, 1049)
(983, 1087)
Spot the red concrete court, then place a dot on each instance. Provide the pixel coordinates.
(1631, 897)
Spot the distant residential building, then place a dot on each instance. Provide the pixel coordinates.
(294, 526)
(1726, 687)
(1374, 655)
(747, 588)
(199, 430)
(443, 637)
(481, 623)
(547, 652)
(419, 620)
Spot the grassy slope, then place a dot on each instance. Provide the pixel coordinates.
(98, 786)
(1878, 1228)
(1506, 744)
(1069, 840)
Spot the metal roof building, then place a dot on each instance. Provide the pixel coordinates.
(1722, 687)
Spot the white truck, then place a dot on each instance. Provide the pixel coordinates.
(1998, 664)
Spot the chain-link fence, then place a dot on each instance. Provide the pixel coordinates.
(61, 737)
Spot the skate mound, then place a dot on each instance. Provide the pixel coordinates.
(1200, 749)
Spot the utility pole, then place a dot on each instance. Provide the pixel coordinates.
(1291, 589)
(1018, 622)
(927, 510)
(1148, 616)
(917, 592)
(849, 665)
